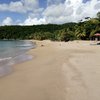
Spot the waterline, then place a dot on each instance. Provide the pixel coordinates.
(13, 52)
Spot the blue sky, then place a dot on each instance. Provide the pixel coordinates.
(29, 12)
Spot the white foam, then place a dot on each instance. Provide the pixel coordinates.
(3, 59)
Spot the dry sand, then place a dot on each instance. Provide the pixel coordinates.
(58, 71)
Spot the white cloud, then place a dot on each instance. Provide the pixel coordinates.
(57, 11)
(22, 6)
(7, 21)
(33, 21)
(73, 2)
(71, 11)
(30, 5)
(3, 7)
(54, 11)
(16, 7)
(97, 6)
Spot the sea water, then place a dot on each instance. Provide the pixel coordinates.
(13, 52)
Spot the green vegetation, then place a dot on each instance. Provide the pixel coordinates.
(65, 32)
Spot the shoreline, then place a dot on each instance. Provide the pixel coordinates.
(58, 71)
(20, 56)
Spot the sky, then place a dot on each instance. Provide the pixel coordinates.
(34, 12)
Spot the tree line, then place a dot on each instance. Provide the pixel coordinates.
(83, 30)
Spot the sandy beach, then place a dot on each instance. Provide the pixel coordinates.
(58, 71)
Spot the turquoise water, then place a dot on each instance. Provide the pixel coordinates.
(12, 52)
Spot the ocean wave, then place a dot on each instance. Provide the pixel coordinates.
(24, 45)
(14, 52)
(3, 59)
(27, 45)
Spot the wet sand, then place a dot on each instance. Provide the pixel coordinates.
(58, 71)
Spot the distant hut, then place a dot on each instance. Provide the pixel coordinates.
(97, 36)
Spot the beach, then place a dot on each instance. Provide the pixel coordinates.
(58, 71)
